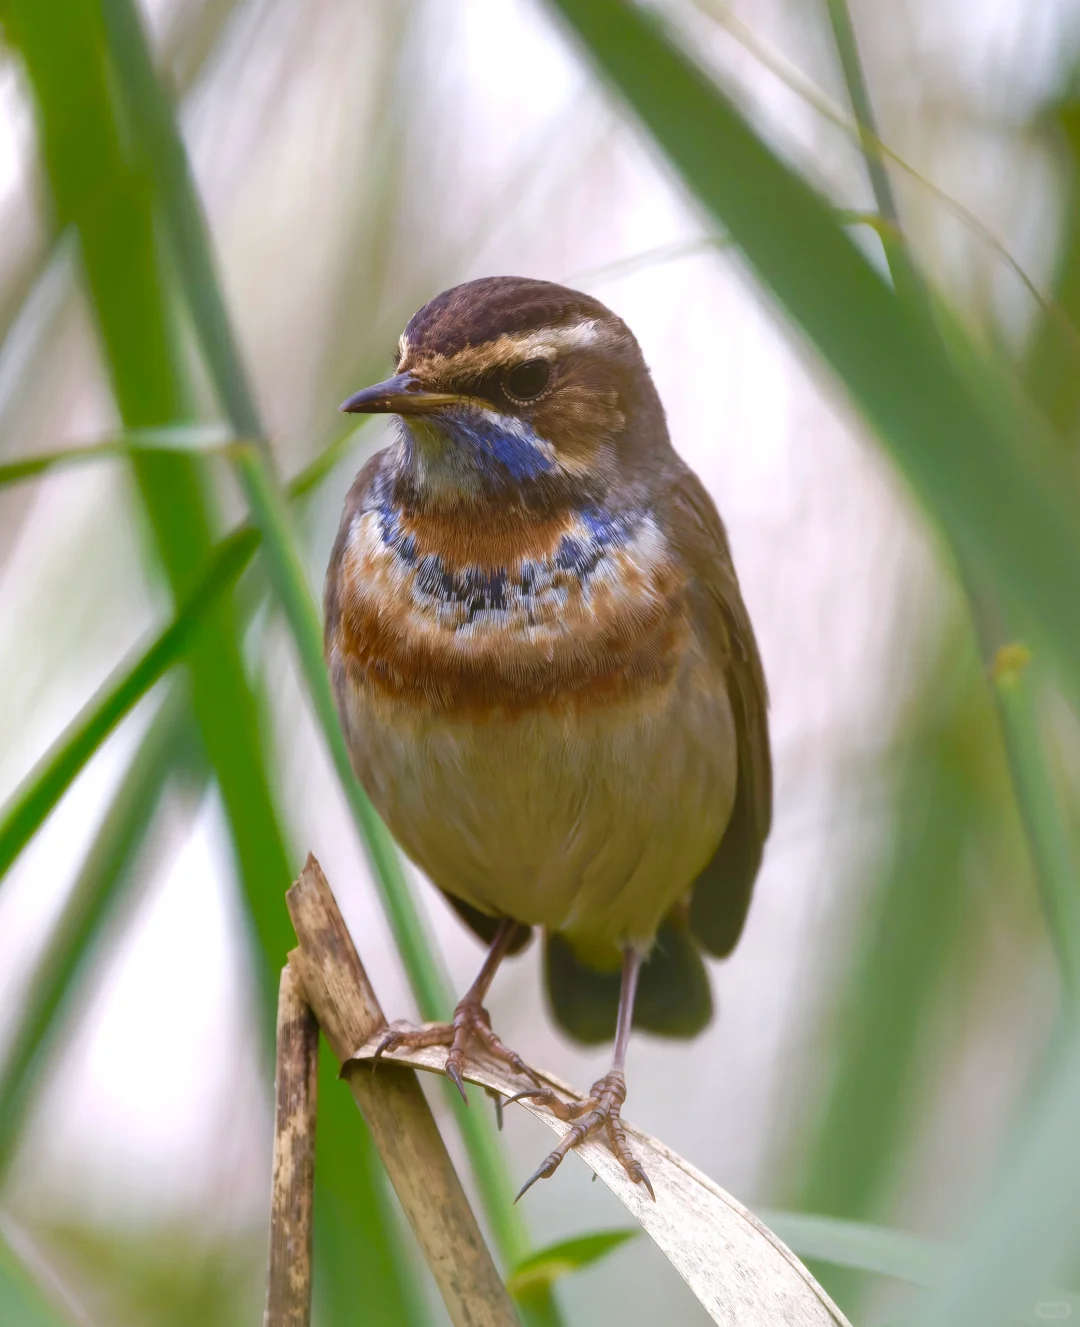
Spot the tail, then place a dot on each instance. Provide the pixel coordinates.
(673, 999)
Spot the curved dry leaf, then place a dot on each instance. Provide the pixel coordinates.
(739, 1270)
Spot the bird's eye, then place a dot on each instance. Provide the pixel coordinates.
(525, 382)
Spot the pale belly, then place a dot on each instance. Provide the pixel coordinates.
(591, 821)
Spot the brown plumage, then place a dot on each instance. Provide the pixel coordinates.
(546, 673)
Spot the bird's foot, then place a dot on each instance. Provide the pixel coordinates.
(472, 1023)
(599, 1113)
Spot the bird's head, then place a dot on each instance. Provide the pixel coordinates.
(508, 384)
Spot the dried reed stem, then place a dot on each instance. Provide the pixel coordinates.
(396, 1111)
(288, 1289)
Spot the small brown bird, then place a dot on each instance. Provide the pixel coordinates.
(546, 674)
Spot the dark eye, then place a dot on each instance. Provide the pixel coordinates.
(526, 381)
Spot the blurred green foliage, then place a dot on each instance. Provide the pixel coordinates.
(988, 447)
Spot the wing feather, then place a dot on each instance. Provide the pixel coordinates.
(721, 894)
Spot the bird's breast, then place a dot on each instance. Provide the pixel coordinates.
(467, 612)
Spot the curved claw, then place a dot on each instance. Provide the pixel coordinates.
(454, 1075)
(527, 1071)
(388, 1042)
(529, 1092)
(633, 1167)
(543, 1172)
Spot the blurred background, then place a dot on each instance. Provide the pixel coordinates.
(894, 988)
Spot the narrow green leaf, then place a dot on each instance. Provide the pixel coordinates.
(185, 440)
(906, 279)
(1051, 360)
(54, 774)
(164, 157)
(1006, 500)
(901, 1257)
(1017, 692)
(30, 467)
(861, 1246)
(1049, 842)
(547, 1265)
(667, 253)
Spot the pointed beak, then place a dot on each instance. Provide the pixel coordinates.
(400, 395)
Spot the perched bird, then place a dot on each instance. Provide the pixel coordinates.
(546, 674)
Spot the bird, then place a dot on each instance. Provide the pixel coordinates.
(547, 676)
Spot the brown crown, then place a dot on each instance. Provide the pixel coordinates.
(480, 311)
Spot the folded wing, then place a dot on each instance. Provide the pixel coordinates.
(721, 894)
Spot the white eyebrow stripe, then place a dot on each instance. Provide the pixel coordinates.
(549, 342)
(510, 348)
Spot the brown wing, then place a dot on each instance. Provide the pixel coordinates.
(721, 894)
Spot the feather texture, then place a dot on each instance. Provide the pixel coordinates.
(721, 894)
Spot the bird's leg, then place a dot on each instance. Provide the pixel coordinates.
(471, 1021)
(599, 1113)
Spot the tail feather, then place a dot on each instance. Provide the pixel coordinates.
(673, 999)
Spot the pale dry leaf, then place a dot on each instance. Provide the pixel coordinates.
(739, 1270)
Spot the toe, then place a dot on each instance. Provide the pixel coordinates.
(598, 1114)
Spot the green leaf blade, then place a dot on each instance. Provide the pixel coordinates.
(547, 1265)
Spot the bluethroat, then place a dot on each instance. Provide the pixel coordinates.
(546, 673)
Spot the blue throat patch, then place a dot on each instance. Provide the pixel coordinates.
(500, 449)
